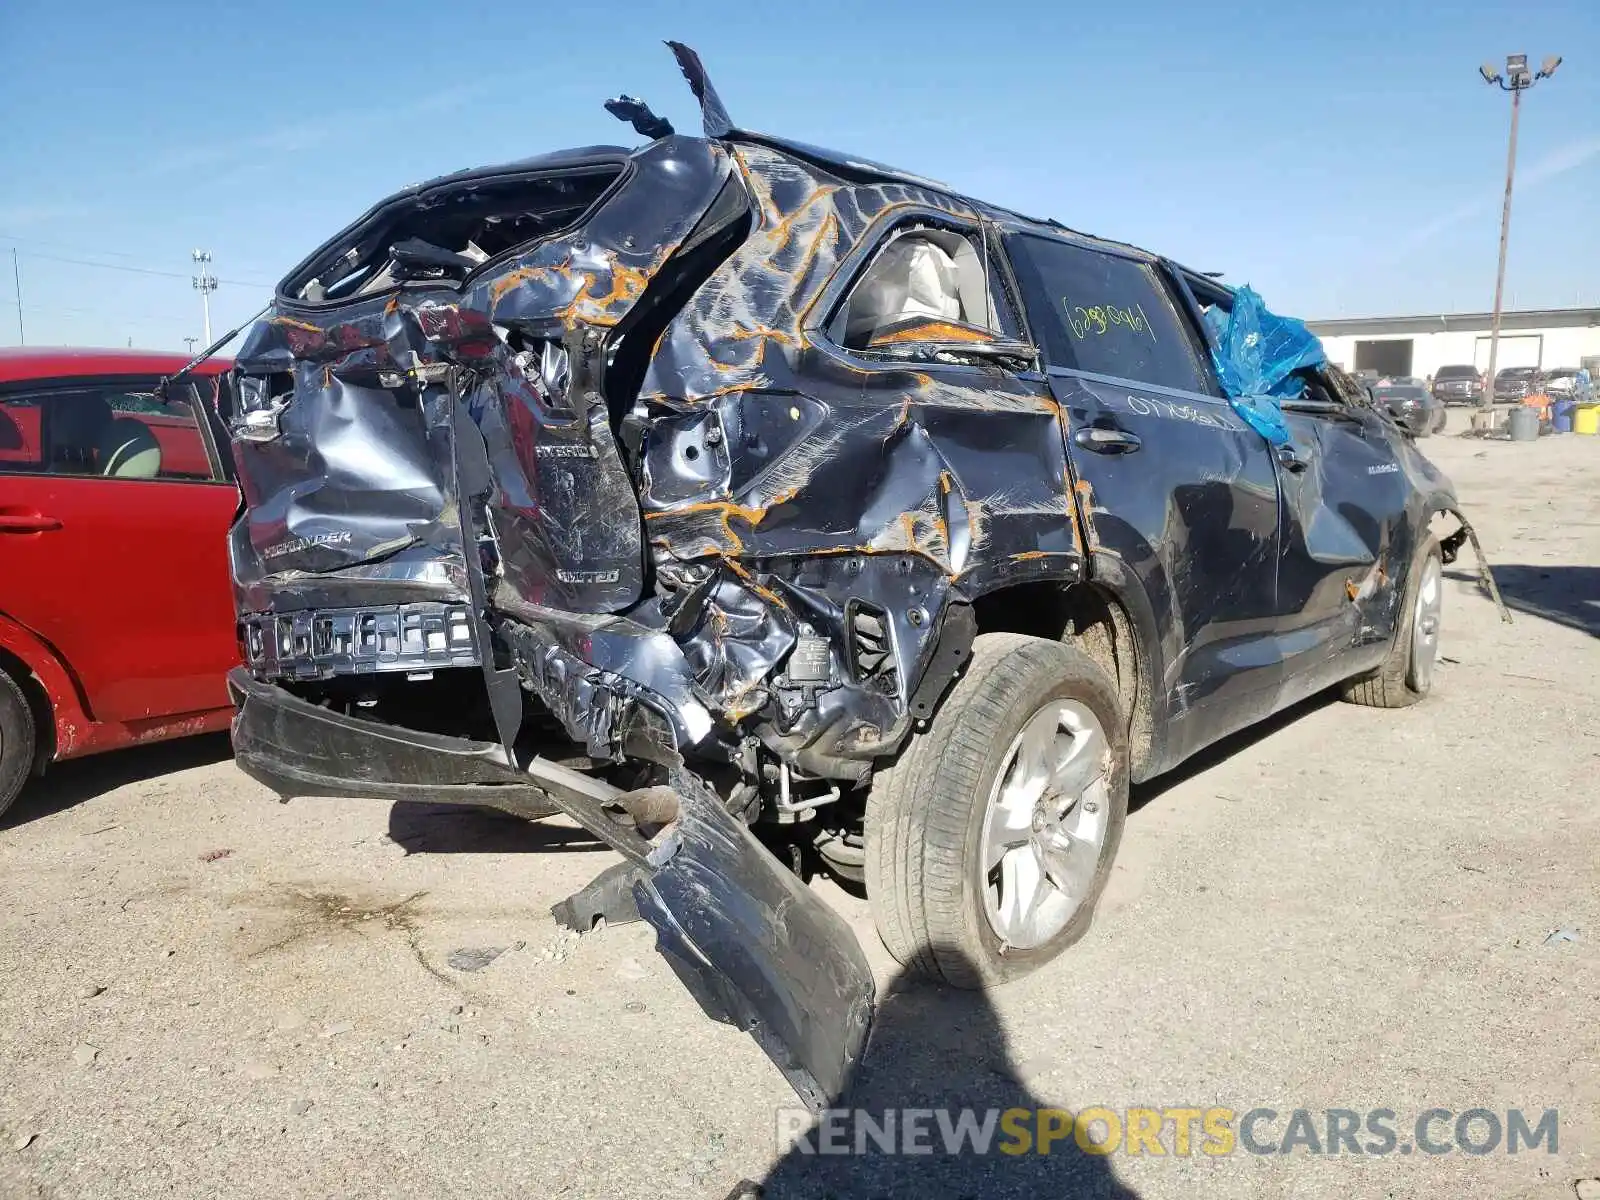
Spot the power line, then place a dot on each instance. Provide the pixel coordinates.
(8, 237)
(16, 275)
(82, 262)
(78, 248)
(101, 316)
(107, 316)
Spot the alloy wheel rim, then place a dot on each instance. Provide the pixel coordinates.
(1425, 626)
(1045, 824)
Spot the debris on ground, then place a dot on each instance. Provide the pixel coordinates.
(85, 1054)
(1557, 936)
(211, 856)
(474, 958)
(561, 947)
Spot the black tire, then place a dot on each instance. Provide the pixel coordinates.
(926, 813)
(18, 740)
(1392, 684)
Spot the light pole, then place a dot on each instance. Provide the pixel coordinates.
(205, 283)
(189, 343)
(1516, 80)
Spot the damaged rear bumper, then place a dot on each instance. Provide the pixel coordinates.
(754, 945)
(301, 749)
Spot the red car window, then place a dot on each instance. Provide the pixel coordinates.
(21, 443)
(112, 430)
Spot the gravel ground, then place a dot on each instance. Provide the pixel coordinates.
(204, 993)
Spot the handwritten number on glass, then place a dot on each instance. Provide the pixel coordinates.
(1101, 318)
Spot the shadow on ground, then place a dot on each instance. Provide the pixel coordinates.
(67, 784)
(421, 828)
(1567, 595)
(939, 1048)
(1141, 794)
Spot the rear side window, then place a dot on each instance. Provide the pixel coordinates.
(1109, 315)
(112, 431)
(928, 286)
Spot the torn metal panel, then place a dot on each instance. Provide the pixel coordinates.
(757, 947)
(355, 390)
(816, 476)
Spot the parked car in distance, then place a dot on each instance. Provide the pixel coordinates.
(1458, 384)
(1517, 383)
(1561, 381)
(1410, 403)
(116, 620)
(758, 506)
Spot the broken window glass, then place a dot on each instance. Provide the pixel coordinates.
(444, 233)
(928, 286)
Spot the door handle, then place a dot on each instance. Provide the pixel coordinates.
(27, 522)
(1289, 459)
(1103, 439)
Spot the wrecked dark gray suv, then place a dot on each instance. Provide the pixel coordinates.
(765, 509)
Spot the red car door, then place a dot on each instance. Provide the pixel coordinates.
(114, 515)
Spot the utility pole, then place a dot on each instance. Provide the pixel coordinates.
(1516, 80)
(205, 283)
(16, 277)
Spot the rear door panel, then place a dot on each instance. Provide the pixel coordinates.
(1194, 513)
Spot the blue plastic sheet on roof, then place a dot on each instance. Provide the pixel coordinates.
(1256, 353)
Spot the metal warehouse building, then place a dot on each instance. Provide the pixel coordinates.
(1548, 337)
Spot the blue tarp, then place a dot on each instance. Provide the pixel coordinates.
(1256, 353)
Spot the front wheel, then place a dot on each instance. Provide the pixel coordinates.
(1406, 674)
(990, 839)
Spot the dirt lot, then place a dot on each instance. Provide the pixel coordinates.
(203, 992)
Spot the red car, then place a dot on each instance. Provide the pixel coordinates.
(116, 614)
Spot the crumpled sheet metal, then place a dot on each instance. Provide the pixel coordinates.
(586, 281)
(356, 482)
(815, 476)
(786, 473)
(563, 496)
(756, 946)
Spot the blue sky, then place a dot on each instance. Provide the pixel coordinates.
(1344, 159)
